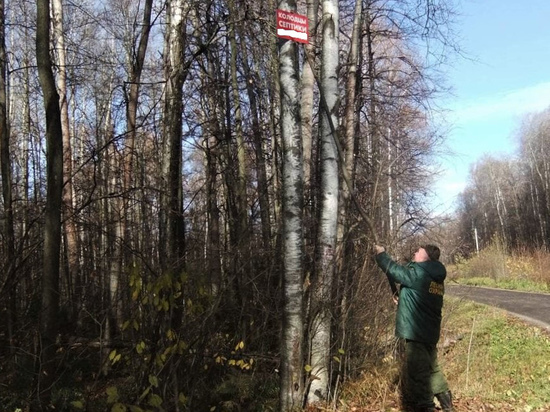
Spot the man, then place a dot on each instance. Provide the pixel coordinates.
(418, 321)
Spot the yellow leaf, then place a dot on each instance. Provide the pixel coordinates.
(341, 351)
(154, 400)
(112, 394)
(112, 354)
(308, 368)
(153, 380)
(77, 404)
(118, 407)
(140, 347)
(125, 325)
(336, 358)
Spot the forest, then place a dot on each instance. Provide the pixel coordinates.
(189, 202)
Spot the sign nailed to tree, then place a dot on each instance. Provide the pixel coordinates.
(292, 26)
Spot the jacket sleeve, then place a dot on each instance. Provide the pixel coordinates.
(398, 273)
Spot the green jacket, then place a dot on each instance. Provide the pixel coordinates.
(420, 297)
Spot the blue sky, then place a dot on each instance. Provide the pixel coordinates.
(506, 77)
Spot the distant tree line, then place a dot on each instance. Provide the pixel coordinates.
(509, 197)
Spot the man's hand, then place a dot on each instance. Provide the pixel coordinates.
(379, 249)
(395, 298)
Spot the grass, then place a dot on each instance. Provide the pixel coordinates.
(497, 359)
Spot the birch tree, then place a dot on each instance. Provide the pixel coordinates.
(292, 384)
(321, 305)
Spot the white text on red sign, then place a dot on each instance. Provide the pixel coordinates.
(292, 26)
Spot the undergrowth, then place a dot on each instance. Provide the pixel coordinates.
(497, 267)
(492, 362)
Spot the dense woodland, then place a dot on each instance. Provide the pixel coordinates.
(509, 197)
(189, 203)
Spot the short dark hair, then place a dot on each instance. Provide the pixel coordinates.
(432, 251)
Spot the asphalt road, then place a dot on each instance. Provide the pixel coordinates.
(531, 307)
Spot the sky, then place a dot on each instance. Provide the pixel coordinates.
(506, 76)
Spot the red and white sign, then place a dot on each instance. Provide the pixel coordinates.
(292, 26)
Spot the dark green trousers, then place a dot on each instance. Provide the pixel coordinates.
(423, 376)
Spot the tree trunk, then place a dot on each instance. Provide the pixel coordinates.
(292, 384)
(107, 239)
(8, 229)
(272, 84)
(52, 218)
(328, 200)
(239, 139)
(307, 87)
(172, 223)
(70, 232)
(261, 171)
(241, 238)
(135, 62)
(351, 128)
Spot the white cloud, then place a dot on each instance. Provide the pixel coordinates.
(447, 188)
(513, 103)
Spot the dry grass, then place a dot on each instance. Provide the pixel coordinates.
(492, 363)
(494, 266)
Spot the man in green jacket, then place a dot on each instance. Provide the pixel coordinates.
(418, 322)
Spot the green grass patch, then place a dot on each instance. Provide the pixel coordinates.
(496, 358)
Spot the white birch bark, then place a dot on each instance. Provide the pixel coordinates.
(292, 385)
(326, 241)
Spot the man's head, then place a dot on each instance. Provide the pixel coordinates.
(427, 252)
